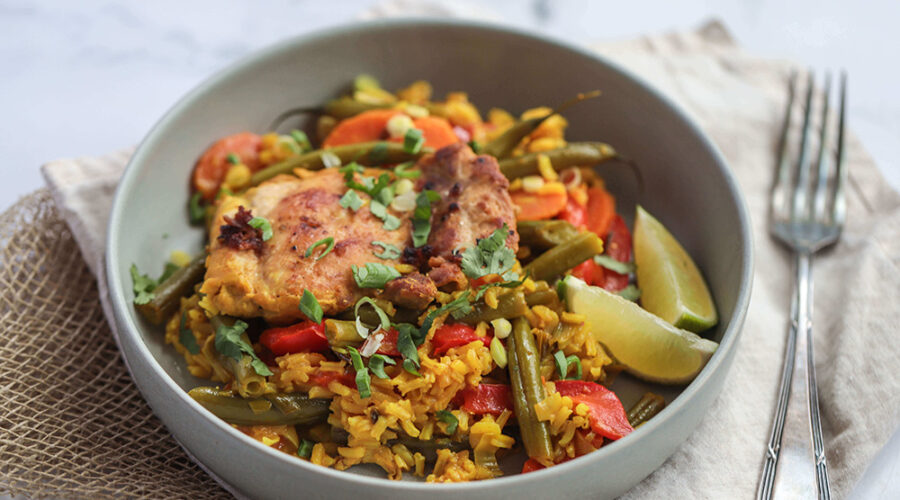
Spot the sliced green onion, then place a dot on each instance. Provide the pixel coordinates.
(351, 200)
(329, 245)
(498, 352)
(413, 141)
(305, 449)
(630, 292)
(562, 366)
(363, 381)
(376, 364)
(263, 225)
(403, 171)
(409, 366)
(388, 251)
(406, 344)
(373, 275)
(330, 160)
(475, 146)
(302, 140)
(310, 307)
(449, 419)
(574, 360)
(233, 159)
(382, 316)
(613, 264)
(391, 223)
(422, 216)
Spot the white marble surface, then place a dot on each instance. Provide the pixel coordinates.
(84, 78)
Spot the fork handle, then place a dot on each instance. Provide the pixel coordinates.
(801, 314)
(815, 421)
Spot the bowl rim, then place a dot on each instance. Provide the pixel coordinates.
(128, 328)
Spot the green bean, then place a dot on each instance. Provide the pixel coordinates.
(368, 315)
(527, 390)
(574, 154)
(649, 405)
(247, 382)
(503, 145)
(366, 153)
(293, 408)
(341, 333)
(346, 107)
(565, 256)
(545, 234)
(509, 305)
(429, 448)
(541, 298)
(167, 295)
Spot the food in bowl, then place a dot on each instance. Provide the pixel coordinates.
(429, 291)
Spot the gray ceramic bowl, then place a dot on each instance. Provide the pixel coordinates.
(687, 185)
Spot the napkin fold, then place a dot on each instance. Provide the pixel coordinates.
(738, 99)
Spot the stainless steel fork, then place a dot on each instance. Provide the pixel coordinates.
(810, 219)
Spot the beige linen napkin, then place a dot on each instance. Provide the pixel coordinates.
(738, 100)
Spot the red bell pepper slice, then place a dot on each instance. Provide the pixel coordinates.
(388, 345)
(455, 335)
(532, 465)
(617, 246)
(322, 379)
(590, 272)
(601, 208)
(574, 213)
(485, 398)
(305, 336)
(607, 415)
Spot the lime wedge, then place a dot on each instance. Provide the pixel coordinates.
(649, 347)
(671, 285)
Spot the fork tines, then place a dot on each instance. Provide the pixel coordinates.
(814, 198)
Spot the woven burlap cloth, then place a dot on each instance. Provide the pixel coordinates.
(72, 423)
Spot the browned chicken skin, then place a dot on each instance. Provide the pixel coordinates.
(244, 283)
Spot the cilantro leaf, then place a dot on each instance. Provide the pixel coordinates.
(263, 225)
(373, 275)
(449, 419)
(142, 285)
(168, 271)
(458, 304)
(197, 209)
(351, 200)
(231, 342)
(350, 169)
(489, 256)
(388, 251)
(186, 336)
(310, 307)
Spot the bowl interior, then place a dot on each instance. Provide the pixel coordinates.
(685, 184)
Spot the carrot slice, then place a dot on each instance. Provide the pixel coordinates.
(213, 165)
(601, 207)
(538, 206)
(437, 131)
(365, 127)
(372, 126)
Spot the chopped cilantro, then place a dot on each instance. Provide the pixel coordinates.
(142, 285)
(490, 256)
(459, 304)
(196, 209)
(310, 307)
(449, 419)
(231, 343)
(349, 169)
(186, 336)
